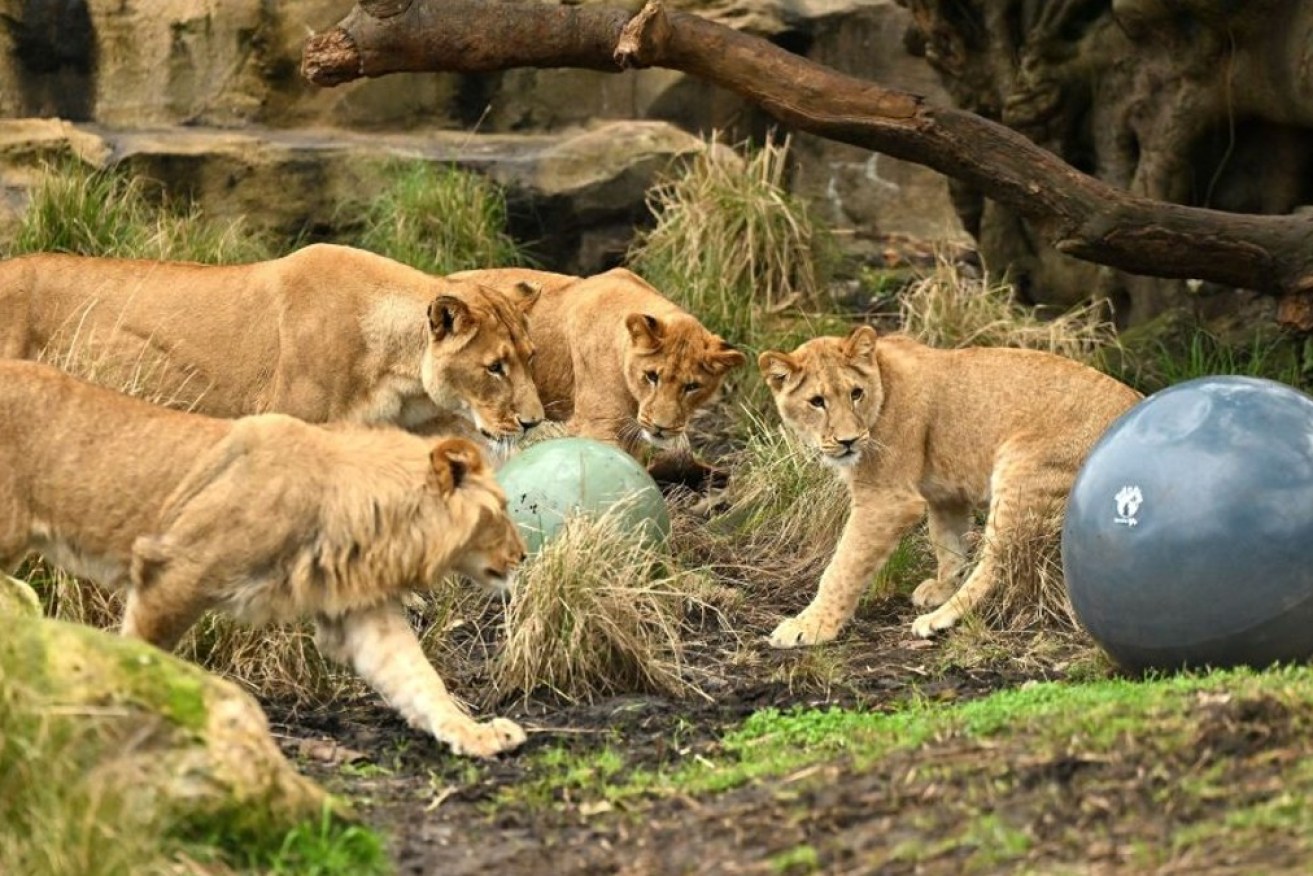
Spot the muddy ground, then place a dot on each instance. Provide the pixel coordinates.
(1088, 814)
(1080, 814)
(439, 820)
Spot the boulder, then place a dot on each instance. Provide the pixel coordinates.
(575, 195)
(191, 744)
(17, 598)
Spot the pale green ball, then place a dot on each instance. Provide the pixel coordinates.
(561, 477)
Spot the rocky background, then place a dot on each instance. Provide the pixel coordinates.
(205, 96)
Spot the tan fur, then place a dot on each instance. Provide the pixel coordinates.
(616, 360)
(327, 333)
(914, 430)
(265, 517)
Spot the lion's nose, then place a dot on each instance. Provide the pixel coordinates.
(526, 425)
(848, 442)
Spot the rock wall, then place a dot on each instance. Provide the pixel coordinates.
(130, 66)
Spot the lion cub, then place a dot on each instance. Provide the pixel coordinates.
(616, 360)
(326, 333)
(913, 429)
(266, 518)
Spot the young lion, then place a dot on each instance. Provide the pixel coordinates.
(912, 428)
(617, 360)
(327, 333)
(265, 517)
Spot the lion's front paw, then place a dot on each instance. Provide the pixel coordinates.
(931, 593)
(800, 631)
(487, 740)
(927, 625)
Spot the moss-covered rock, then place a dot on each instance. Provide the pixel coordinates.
(191, 745)
(16, 597)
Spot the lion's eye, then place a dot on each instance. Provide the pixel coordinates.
(816, 401)
(858, 393)
(651, 377)
(497, 368)
(692, 386)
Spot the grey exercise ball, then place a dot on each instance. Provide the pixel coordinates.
(1188, 539)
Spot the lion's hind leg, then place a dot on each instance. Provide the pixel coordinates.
(948, 528)
(1026, 481)
(380, 645)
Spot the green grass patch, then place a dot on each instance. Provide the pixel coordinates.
(438, 218)
(79, 209)
(1206, 355)
(1097, 717)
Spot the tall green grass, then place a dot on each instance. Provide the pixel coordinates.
(1206, 355)
(439, 219)
(80, 209)
(732, 245)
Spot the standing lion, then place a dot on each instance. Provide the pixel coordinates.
(326, 333)
(911, 430)
(266, 518)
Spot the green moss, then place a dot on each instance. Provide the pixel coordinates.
(17, 598)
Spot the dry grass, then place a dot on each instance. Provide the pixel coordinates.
(779, 528)
(1031, 592)
(596, 612)
(950, 308)
(731, 243)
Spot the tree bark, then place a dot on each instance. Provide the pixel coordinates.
(1075, 213)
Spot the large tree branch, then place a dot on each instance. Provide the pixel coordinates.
(1078, 214)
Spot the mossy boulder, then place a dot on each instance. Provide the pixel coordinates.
(190, 745)
(17, 598)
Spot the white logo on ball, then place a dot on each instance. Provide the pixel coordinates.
(1128, 501)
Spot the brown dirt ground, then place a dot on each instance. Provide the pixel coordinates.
(1089, 814)
(904, 815)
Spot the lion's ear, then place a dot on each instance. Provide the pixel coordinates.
(448, 316)
(645, 330)
(777, 368)
(453, 460)
(724, 358)
(527, 295)
(859, 346)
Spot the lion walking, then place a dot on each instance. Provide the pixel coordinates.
(266, 518)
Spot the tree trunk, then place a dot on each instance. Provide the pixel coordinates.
(1077, 214)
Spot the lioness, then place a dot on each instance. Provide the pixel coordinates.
(912, 428)
(326, 333)
(265, 517)
(616, 360)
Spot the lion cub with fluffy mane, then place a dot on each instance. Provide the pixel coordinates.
(616, 360)
(913, 429)
(326, 333)
(266, 518)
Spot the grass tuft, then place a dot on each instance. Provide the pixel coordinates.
(950, 308)
(595, 613)
(779, 528)
(83, 210)
(731, 244)
(439, 219)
